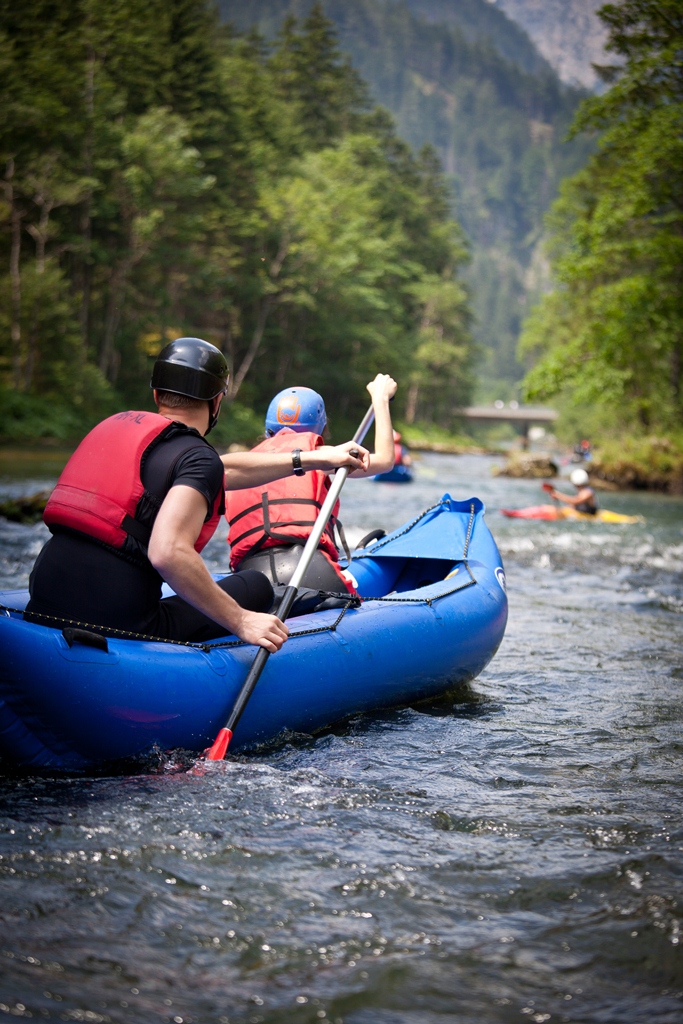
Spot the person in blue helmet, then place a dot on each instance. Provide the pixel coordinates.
(269, 526)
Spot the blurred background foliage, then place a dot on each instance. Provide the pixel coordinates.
(610, 336)
(171, 167)
(459, 76)
(164, 176)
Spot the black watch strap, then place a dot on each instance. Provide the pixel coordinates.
(296, 463)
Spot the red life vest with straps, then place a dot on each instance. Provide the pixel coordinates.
(100, 488)
(284, 513)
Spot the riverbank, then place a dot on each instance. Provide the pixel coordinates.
(632, 464)
(422, 438)
(649, 464)
(34, 461)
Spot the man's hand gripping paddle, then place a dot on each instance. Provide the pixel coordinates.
(219, 749)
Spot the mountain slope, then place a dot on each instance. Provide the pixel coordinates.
(567, 32)
(480, 20)
(497, 129)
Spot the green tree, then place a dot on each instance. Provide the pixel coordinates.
(157, 177)
(160, 175)
(612, 331)
(461, 77)
(311, 73)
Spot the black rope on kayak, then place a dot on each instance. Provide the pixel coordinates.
(112, 631)
(469, 532)
(126, 634)
(368, 552)
(351, 603)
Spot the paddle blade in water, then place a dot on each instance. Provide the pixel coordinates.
(220, 746)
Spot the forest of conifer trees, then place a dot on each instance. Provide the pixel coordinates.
(459, 76)
(162, 176)
(165, 172)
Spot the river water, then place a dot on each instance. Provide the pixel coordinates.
(514, 855)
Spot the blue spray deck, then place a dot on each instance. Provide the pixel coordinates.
(437, 618)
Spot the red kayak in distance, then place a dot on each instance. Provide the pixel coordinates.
(549, 512)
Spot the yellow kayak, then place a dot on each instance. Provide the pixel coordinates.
(603, 515)
(553, 512)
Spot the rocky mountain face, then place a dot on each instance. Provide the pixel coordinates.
(568, 33)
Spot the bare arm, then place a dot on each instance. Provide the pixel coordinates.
(382, 389)
(171, 552)
(585, 494)
(249, 469)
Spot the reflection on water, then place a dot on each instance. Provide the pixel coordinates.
(512, 854)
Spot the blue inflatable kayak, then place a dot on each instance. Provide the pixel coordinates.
(398, 475)
(433, 615)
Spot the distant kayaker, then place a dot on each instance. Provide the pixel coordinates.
(401, 453)
(582, 452)
(583, 500)
(269, 526)
(138, 500)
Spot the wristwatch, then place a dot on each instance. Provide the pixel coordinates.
(296, 463)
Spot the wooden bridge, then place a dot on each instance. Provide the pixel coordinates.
(522, 415)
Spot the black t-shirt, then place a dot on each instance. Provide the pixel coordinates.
(81, 579)
(169, 464)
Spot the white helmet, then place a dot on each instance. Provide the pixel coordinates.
(579, 477)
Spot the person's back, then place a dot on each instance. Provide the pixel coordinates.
(138, 501)
(95, 570)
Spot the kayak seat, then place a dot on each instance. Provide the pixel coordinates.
(377, 577)
(278, 564)
(422, 572)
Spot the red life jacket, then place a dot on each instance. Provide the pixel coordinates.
(100, 487)
(398, 453)
(285, 513)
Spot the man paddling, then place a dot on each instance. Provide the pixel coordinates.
(583, 500)
(269, 526)
(139, 499)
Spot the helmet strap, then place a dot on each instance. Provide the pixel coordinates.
(213, 416)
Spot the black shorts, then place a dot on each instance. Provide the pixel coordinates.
(77, 580)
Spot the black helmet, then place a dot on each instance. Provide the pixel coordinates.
(192, 367)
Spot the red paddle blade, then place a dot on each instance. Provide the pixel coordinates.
(220, 746)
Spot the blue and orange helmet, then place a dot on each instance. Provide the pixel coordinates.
(300, 409)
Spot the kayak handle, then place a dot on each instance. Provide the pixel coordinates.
(373, 535)
(85, 637)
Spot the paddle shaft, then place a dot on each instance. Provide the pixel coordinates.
(219, 749)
